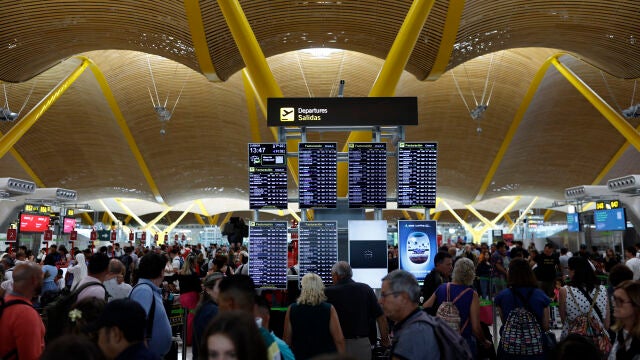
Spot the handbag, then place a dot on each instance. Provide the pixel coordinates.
(590, 326)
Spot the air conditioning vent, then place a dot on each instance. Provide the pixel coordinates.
(629, 184)
(17, 186)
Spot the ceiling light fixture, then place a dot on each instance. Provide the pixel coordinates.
(321, 53)
(163, 113)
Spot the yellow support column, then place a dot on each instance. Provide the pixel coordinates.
(258, 74)
(87, 218)
(517, 119)
(21, 127)
(394, 64)
(199, 38)
(449, 33)
(618, 122)
(175, 223)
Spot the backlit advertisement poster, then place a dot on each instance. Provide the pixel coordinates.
(417, 246)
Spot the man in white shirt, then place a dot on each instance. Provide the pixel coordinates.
(632, 262)
(97, 270)
(114, 281)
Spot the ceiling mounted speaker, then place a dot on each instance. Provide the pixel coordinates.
(56, 194)
(586, 192)
(629, 184)
(17, 186)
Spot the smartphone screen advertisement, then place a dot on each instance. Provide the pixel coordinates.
(417, 246)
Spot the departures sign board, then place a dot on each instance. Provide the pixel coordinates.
(367, 175)
(268, 254)
(417, 170)
(318, 248)
(317, 175)
(268, 188)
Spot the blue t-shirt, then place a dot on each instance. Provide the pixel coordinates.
(507, 301)
(145, 292)
(49, 284)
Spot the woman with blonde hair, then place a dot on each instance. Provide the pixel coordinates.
(460, 291)
(190, 288)
(626, 310)
(311, 325)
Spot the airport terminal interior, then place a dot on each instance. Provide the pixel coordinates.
(145, 109)
(136, 119)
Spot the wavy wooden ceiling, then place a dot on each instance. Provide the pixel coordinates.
(562, 141)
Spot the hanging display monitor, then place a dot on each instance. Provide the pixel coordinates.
(573, 222)
(318, 248)
(417, 165)
(268, 176)
(417, 246)
(368, 251)
(317, 175)
(610, 220)
(268, 254)
(68, 224)
(34, 223)
(368, 175)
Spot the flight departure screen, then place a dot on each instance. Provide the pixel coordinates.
(417, 165)
(318, 248)
(268, 176)
(268, 254)
(317, 175)
(368, 175)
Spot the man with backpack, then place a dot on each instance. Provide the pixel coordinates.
(21, 328)
(413, 337)
(97, 270)
(148, 294)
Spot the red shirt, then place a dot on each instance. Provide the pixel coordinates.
(21, 328)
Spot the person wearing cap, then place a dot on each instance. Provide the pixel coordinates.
(207, 309)
(121, 329)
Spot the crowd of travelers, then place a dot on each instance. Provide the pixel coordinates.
(122, 298)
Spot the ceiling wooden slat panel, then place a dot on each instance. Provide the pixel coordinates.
(77, 144)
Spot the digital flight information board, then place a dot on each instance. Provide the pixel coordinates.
(268, 254)
(417, 165)
(318, 248)
(268, 176)
(317, 175)
(368, 175)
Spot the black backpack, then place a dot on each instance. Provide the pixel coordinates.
(56, 314)
(3, 306)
